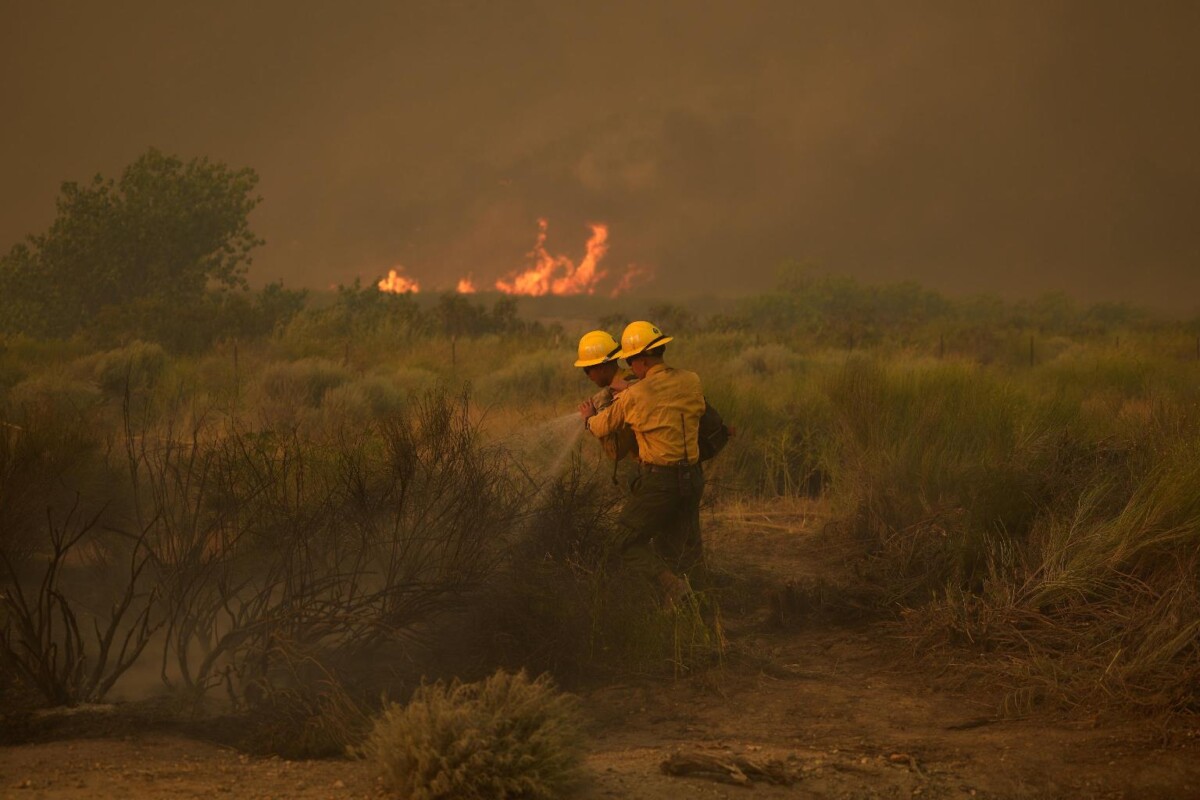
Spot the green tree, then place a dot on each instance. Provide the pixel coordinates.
(457, 316)
(161, 236)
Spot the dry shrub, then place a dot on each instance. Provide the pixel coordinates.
(504, 737)
(302, 382)
(539, 374)
(1018, 523)
(939, 467)
(332, 547)
(75, 602)
(1102, 606)
(370, 397)
(767, 359)
(57, 392)
(302, 711)
(136, 366)
(565, 604)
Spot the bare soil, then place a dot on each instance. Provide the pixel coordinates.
(841, 705)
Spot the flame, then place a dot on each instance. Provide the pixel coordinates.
(397, 283)
(558, 274)
(548, 274)
(635, 275)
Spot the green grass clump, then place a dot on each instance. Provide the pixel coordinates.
(504, 737)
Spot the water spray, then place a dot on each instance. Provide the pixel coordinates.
(545, 448)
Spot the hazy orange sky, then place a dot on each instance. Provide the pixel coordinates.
(1014, 147)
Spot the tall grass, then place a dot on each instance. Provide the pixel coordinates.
(1006, 515)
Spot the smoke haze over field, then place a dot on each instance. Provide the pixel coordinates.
(1007, 147)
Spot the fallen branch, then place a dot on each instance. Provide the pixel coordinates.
(735, 770)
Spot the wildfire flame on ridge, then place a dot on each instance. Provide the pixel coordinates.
(395, 283)
(549, 274)
(635, 275)
(552, 274)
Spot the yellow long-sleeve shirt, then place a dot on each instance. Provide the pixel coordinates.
(664, 410)
(621, 442)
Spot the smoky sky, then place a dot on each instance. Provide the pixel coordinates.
(1014, 148)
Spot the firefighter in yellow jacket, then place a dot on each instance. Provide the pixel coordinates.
(660, 523)
(598, 357)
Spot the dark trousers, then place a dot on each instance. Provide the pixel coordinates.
(659, 527)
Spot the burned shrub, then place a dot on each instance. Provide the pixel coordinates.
(76, 604)
(564, 603)
(274, 547)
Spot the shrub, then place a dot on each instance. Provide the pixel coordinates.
(57, 393)
(564, 603)
(1061, 611)
(935, 462)
(767, 359)
(545, 374)
(302, 711)
(75, 604)
(331, 546)
(368, 398)
(138, 365)
(412, 380)
(504, 737)
(302, 382)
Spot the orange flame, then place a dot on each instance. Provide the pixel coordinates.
(635, 275)
(465, 286)
(397, 283)
(558, 274)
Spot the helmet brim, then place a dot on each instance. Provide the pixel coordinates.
(595, 362)
(650, 346)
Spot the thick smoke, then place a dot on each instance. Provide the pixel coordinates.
(1014, 148)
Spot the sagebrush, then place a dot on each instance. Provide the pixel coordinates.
(504, 737)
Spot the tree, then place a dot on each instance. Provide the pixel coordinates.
(458, 317)
(161, 237)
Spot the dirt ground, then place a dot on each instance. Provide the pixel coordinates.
(844, 708)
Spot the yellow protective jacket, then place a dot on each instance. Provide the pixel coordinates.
(664, 411)
(621, 442)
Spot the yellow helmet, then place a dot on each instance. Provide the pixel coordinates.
(597, 347)
(639, 336)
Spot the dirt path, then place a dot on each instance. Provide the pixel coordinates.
(854, 723)
(847, 710)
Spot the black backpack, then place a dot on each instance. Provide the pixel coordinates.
(714, 433)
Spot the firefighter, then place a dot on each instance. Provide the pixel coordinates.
(659, 527)
(598, 357)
